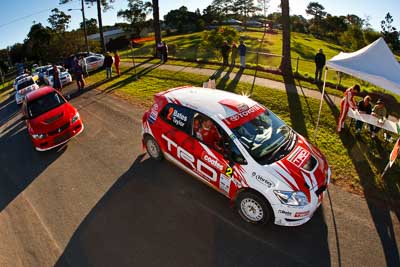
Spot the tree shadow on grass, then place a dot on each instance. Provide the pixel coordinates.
(154, 207)
(307, 102)
(296, 113)
(380, 213)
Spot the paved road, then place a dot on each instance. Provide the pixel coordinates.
(99, 201)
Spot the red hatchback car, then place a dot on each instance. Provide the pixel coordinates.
(50, 119)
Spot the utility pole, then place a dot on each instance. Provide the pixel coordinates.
(84, 26)
(102, 44)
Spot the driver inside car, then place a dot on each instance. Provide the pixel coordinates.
(209, 134)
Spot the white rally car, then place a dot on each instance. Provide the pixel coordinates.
(241, 149)
(24, 86)
(65, 76)
(93, 62)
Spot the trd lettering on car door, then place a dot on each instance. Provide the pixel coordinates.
(196, 164)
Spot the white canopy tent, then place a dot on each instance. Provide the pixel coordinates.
(374, 63)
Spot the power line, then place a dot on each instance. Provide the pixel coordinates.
(24, 17)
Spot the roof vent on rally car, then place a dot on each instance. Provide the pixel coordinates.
(234, 105)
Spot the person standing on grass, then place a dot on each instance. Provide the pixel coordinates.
(225, 53)
(56, 78)
(320, 61)
(164, 52)
(116, 62)
(78, 70)
(234, 54)
(108, 61)
(346, 103)
(364, 107)
(242, 54)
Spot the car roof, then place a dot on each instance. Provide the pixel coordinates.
(211, 102)
(39, 92)
(23, 79)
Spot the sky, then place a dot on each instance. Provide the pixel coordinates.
(17, 16)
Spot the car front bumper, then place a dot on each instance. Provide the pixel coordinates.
(63, 137)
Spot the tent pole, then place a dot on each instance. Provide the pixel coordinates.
(320, 106)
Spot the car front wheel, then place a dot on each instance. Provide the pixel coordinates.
(253, 208)
(153, 149)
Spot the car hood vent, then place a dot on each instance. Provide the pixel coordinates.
(310, 164)
(53, 119)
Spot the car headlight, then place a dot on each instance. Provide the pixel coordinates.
(38, 136)
(293, 198)
(75, 118)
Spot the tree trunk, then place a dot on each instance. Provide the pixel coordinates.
(286, 63)
(156, 21)
(102, 44)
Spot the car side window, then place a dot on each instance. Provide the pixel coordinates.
(233, 151)
(178, 116)
(207, 131)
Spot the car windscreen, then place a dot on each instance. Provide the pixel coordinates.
(44, 103)
(25, 84)
(264, 136)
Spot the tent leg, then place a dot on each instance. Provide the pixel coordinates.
(320, 106)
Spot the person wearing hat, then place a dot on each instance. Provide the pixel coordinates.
(346, 103)
(320, 61)
(379, 111)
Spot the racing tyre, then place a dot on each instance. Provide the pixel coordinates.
(153, 149)
(253, 208)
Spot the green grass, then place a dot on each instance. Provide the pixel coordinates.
(5, 89)
(304, 47)
(356, 162)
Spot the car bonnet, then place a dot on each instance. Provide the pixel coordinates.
(304, 168)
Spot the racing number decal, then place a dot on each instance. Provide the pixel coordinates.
(170, 112)
(228, 171)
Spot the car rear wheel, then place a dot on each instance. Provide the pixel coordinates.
(253, 208)
(153, 149)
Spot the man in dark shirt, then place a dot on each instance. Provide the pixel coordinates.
(319, 65)
(225, 52)
(364, 106)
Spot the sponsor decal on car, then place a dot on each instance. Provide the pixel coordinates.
(262, 179)
(213, 162)
(299, 157)
(224, 183)
(153, 113)
(243, 116)
(284, 212)
(301, 214)
(197, 165)
(176, 117)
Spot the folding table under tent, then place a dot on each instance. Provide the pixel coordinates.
(374, 63)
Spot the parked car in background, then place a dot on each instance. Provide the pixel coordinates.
(51, 120)
(93, 62)
(24, 86)
(39, 71)
(65, 76)
(18, 79)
